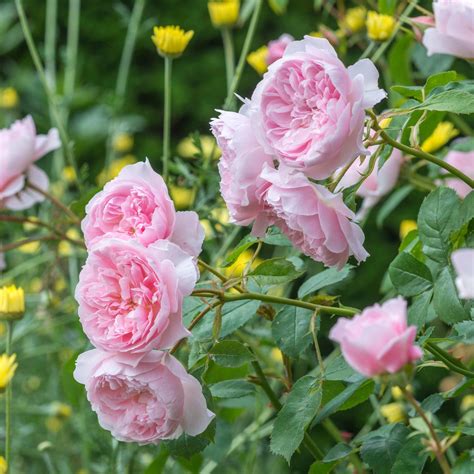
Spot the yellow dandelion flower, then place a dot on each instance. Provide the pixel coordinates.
(406, 226)
(393, 412)
(354, 20)
(69, 174)
(8, 98)
(32, 225)
(397, 393)
(7, 369)
(12, 301)
(379, 26)
(237, 268)
(3, 465)
(187, 149)
(182, 197)
(441, 135)
(122, 142)
(61, 410)
(258, 59)
(224, 13)
(30, 247)
(114, 169)
(65, 248)
(171, 41)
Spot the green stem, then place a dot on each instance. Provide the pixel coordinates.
(167, 116)
(228, 55)
(50, 42)
(8, 400)
(450, 362)
(243, 55)
(419, 153)
(67, 145)
(71, 48)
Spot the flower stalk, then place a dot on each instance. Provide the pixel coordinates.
(167, 116)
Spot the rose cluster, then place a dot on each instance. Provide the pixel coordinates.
(304, 120)
(141, 264)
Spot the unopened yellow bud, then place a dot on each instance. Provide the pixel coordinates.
(171, 41)
(354, 19)
(441, 135)
(258, 59)
(393, 412)
(122, 142)
(406, 226)
(224, 13)
(379, 26)
(12, 302)
(8, 366)
(8, 98)
(69, 174)
(183, 198)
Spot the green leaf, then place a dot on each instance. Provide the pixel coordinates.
(275, 237)
(325, 278)
(320, 467)
(230, 354)
(428, 65)
(418, 311)
(438, 80)
(465, 332)
(157, 466)
(242, 246)
(409, 276)
(456, 97)
(278, 6)
(275, 272)
(232, 389)
(339, 451)
(399, 58)
(339, 369)
(290, 329)
(387, 7)
(186, 446)
(381, 449)
(438, 218)
(292, 420)
(79, 206)
(411, 458)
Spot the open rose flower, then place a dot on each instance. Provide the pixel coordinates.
(309, 109)
(240, 168)
(379, 182)
(454, 29)
(463, 161)
(315, 220)
(276, 48)
(136, 206)
(130, 296)
(20, 148)
(378, 340)
(143, 398)
(463, 263)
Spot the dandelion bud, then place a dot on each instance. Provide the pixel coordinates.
(379, 27)
(354, 19)
(171, 41)
(258, 59)
(224, 13)
(7, 369)
(12, 302)
(441, 135)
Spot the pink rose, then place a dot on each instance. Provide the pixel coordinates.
(463, 161)
(463, 263)
(20, 147)
(240, 167)
(277, 47)
(315, 220)
(378, 184)
(454, 30)
(130, 297)
(143, 398)
(309, 109)
(136, 206)
(378, 340)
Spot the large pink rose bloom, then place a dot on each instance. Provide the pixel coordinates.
(454, 29)
(136, 206)
(143, 398)
(463, 263)
(377, 185)
(315, 220)
(276, 48)
(378, 340)
(309, 109)
(130, 296)
(20, 148)
(463, 161)
(240, 168)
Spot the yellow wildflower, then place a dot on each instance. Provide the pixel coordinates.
(221, 216)
(35, 285)
(467, 403)
(61, 410)
(122, 142)
(208, 230)
(187, 149)
(441, 135)
(238, 267)
(30, 226)
(3, 465)
(354, 20)
(258, 59)
(30, 247)
(406, 227)
(53, 424)
(7, 369)
(114, 169)
(379, 26)
(8, 98)
(12, 300)
(397, 393)
(65, 248)
(385, 123)
(69, 174)
(276, 355)
(182, 197)
(171, 40)
(224, 13)
(60, 285)
(393, 412)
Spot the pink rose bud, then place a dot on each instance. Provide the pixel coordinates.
(463, 263)
(136, 206)
(277, 47)
(130, 297)
(315, 220)
(309, 109)
(143, 398)
(463, 161)
(20, 147)
(378, 341)
(454, 30)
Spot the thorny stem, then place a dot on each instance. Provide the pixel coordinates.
(450, 362)
(218, 274)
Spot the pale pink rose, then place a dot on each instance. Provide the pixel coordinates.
(136, 206)
(143, 398)
(315, 220)
(378, 340)
(463, 263)
(130, 296)
(20, 148)
(309, 109)
(377, 185)
(454, 30)
(240, 169)
(277, 47)
(463, 161)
